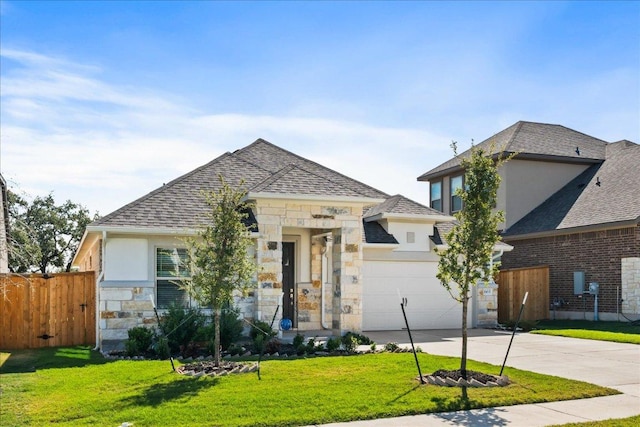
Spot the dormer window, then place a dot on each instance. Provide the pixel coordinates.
(436, 195)
(456, 200)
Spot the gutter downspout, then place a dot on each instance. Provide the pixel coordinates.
(103, 245)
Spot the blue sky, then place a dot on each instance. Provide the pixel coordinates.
(102, 102)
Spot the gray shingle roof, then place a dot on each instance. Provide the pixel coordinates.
(399, 204)
(603, 194)
(441, 229)
(534, 140)
(263, 166)
(375, 233)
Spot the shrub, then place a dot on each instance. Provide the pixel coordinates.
(333, 344)
(298, 340)
(391, 347)
(349, 342)
(230, 329)
(261, 328)
(181, 326)
(140, 340)
(273, 346)
(361, 339)
(161, 347)
(259, 343)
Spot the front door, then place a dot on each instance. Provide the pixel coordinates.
(289, 282)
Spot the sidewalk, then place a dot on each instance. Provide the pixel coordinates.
(598, 362)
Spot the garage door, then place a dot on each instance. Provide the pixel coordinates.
(429, 305)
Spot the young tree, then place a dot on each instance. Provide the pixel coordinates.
(42, 235)
(470, 243)
(219, 253)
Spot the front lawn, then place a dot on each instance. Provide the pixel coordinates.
(87, 390)
(622, 422)
(622, 332)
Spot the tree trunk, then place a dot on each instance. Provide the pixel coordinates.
(463, 359)
(216, 336)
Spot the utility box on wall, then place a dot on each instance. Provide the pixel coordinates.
(578, 282)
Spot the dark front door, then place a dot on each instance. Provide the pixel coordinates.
(289, 282)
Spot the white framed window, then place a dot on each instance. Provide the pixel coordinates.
(172, 268)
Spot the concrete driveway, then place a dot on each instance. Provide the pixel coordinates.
(598, 362)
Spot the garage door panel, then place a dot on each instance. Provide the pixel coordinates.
(429, 305)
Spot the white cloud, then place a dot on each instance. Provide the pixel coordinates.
(65, 130)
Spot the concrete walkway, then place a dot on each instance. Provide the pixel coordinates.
(598, 362)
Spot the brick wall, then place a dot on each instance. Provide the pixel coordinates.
(599, 254)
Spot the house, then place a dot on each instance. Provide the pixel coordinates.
(571, 202)
(4, 227)
(332, 253)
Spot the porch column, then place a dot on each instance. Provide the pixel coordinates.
(347, 278)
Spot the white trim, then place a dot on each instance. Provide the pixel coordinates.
(410, 217)
(141, 230)
(389, 246)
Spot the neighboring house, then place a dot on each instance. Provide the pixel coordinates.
(571, 202)
(4, 227)
(332, 251)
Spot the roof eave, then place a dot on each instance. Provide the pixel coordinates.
(368, 245)
(163, 231)
(430, 176)
(313, 197)
(409, 217)
(573, 230)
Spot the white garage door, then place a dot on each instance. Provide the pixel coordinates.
(429, 305)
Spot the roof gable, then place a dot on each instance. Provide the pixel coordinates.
(262, 166)
(399, 204)
(295, 180)
(534, 141)
(603, 194)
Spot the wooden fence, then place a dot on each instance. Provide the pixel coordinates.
(512, 286)
(47, 311)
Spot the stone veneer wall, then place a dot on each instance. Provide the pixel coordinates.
(273, 215)
(487, 304)
(122, 307)
(630, 294)
(598, 253)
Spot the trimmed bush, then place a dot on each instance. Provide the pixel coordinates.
(181, 326)
(140, 341)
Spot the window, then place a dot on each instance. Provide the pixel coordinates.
(456, 200)
(172, 267)
(436, 195)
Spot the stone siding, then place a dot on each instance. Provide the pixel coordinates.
(344, 223)
(122, 307)
(487, 304)
(630, 290)
(598, 253)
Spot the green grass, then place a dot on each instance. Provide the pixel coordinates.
(622, 422)
(621, 332)
(75, 386)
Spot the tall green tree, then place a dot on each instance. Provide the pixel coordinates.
(43, 236)
(470, 243)
(219, 253)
